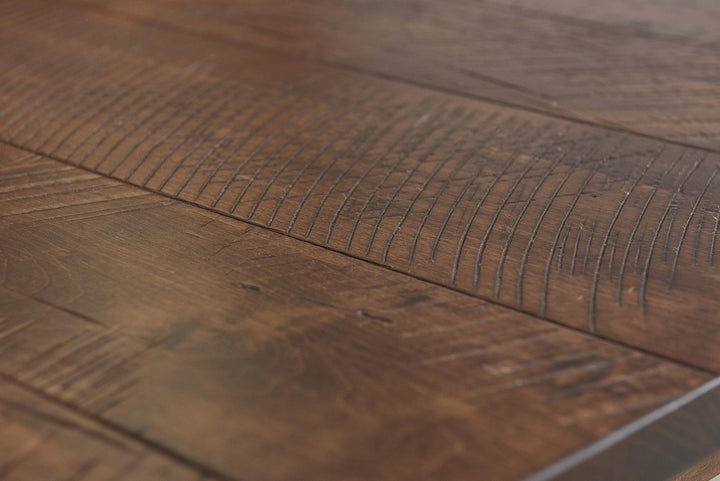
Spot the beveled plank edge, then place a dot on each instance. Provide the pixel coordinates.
(489, 300)
(204, 471)
(49, 420)
(580, 461)
(558, 114)
(633, 333)
(638, 442)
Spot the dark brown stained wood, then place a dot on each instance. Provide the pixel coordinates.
(43, 441)
(661, 80)
(220, 344)
(705, 469)
(607, 232)
(692, 20)
(660, 451)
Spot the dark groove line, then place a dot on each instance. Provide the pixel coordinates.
(272, 156)
(170, 93)
(79, 112)
(20, 83)
(16, 85)
(575, 248)
(130, 109)
(419, 135)
(420, 190)
(15, 187)
(44, 361)
(374, 136)
(131, 84)
(637, 254)
(364, 136)
(451, 178)
(43, 376)
(278, 172)
(698, 232)
(204, 133)
(711, 255)
(684, 230)
(651, 249)
(510, 236)
(506, 198)
(136, 95)
(217, 145)
(319, 245)
(83, 89)
(32, 173)
(382, 133)
(273, 114)
(472, 178)
(638, 220)
(587, 247)
(202, 126)
(481, 201)
(90, 363)
(612, 256)
(551, 199)
(64, 206)
(162, 107)
(563, 221)
(562, 250)
(668, 235)
(36, 81)
(49, 93)
(323, 128)
(257, 149)
(596, 277)
(26, 107)
(186, 117)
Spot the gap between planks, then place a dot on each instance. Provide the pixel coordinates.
(490, 300)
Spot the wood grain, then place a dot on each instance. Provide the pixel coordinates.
(213, 342)
(603, 231)
(41, 440)
(380, 240)
(661, 450)
(646, 66)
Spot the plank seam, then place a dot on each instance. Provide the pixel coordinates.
(615, 342)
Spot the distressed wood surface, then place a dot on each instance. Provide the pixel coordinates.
(293, 241)
(600, 230)
(645, 66)
(264, 358)
(41, 440)
(662, 449)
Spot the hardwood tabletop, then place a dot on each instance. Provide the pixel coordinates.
(376, 240)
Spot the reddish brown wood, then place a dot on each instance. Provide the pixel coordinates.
(261, 357)
(41, 440)
(603, 231)
(236, 250)
(661, 80)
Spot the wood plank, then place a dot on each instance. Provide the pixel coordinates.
(263, 357)
(607, 232)
(690, 21)
(654, 449)
(661, 81)
(41, 440)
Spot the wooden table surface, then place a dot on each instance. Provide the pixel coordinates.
(261, 240)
